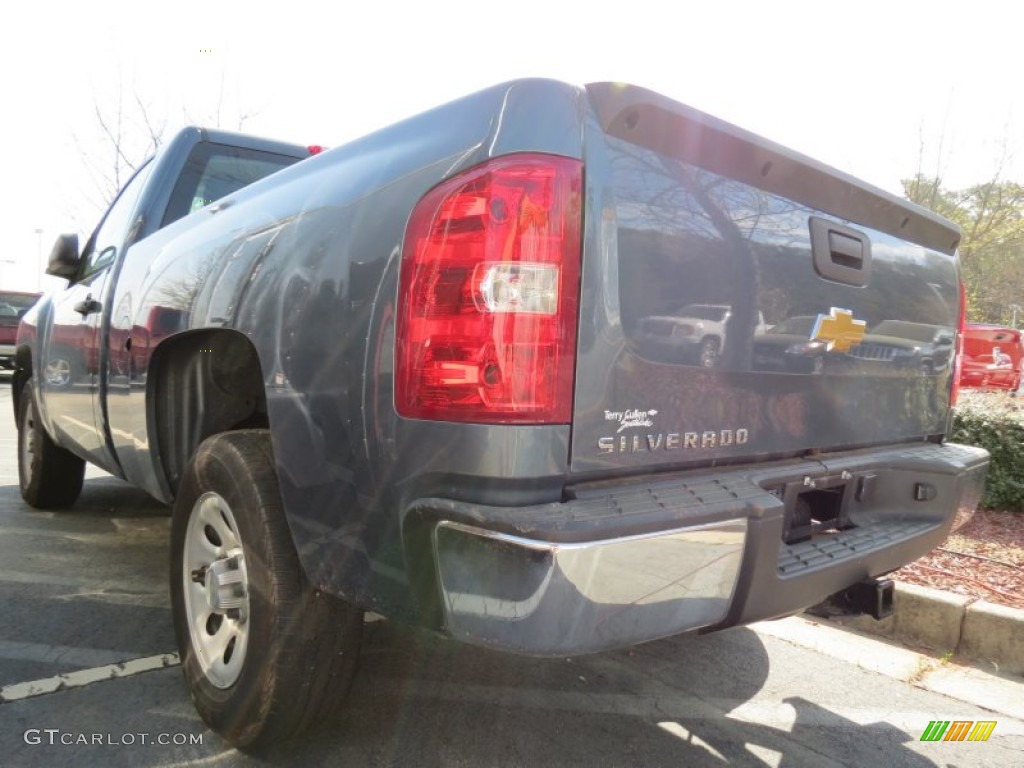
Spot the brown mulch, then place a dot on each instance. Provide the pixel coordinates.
(982, 558)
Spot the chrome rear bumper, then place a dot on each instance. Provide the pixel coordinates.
(549, 598)
(622, 563)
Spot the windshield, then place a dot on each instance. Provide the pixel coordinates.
(904, 330)
(796, 326)
(14, 305)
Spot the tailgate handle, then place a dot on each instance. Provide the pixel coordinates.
(840, 253)
(846, 251)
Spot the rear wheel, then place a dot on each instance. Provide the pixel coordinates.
(264, 653)
(49, 476)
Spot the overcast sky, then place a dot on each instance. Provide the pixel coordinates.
(873, 88)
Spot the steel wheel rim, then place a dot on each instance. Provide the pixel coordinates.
(216, 588)
(58, 372)
(708, 355)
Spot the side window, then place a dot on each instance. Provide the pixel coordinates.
(213, 171)
(109, 236)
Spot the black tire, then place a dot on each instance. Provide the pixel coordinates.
(49, 476)
(299, 645)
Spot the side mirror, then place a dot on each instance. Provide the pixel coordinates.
(64, 258)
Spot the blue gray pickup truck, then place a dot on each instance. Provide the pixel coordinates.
(419, 374)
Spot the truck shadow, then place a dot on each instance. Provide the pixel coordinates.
(423, 700)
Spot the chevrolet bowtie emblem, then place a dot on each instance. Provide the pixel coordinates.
(839, 330)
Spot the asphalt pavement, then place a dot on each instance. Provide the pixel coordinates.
(88, 676)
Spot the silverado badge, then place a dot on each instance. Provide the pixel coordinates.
(839, 330)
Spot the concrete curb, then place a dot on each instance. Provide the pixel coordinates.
(974, 630)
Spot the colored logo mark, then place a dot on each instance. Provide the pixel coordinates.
(839, 329)
(958, 730)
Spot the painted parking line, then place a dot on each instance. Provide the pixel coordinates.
(83, 677)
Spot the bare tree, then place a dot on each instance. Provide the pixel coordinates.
(129, 131)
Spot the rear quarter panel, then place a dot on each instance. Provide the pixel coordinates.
(305, 264)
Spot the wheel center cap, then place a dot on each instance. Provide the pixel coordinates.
(226, 588)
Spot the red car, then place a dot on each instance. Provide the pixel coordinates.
(992, 358)
(13, 304)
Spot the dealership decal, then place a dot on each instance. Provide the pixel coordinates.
(633, 418)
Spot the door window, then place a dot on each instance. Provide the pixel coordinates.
(116, 225)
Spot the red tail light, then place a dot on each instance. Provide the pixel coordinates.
(489, 292)
(958, 358)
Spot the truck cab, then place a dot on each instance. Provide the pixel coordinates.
(77, 344)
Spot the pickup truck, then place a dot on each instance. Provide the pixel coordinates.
(993, 358)
(13, 306)
(406, 376)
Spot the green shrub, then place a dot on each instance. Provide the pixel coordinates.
(995, 421)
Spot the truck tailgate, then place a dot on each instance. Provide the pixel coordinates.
(742, 300)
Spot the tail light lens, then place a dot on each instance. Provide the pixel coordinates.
(489, 294)
(958, 358)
